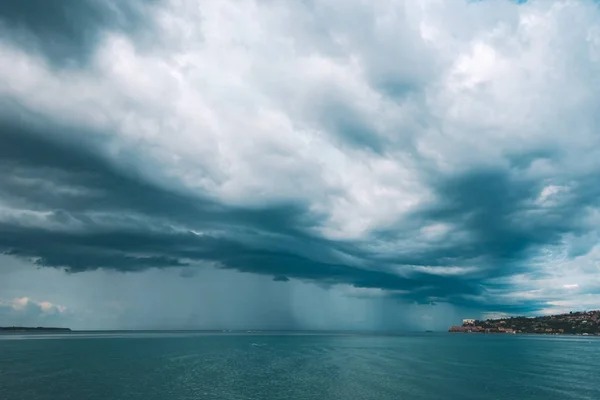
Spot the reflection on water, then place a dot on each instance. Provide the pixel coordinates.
(175, 365)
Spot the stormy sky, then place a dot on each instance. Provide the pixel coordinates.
(316, 164)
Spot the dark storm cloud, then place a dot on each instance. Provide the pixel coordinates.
(79, 252)
(497, 210)
(112, 220)
(497, 221)
(67, 31)
(115, 220)
(33, 165)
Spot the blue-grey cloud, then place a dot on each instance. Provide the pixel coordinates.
(113, 221)
(67, 32)
(485, 205)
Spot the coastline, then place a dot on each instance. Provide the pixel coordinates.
(585, 323)
(38, 329)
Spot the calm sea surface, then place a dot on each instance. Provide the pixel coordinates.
(177, 366)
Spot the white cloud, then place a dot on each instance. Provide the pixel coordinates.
(23, 304)
(549, 195)
(27, 311)
(444, 270)
(571, 286)
(19, 304)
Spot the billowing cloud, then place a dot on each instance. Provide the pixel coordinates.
(24, 311)
(67, 33)
(423, 151)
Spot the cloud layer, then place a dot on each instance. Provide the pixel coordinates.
(433, 151)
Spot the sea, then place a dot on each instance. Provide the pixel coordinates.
(196, 365)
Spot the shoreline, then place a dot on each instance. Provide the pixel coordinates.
(22, 329)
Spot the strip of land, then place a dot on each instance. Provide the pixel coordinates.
(574, 323)
(32, 329)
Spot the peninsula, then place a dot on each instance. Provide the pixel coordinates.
(574, 323)
(32, 329)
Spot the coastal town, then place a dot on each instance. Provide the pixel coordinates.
(584, 323)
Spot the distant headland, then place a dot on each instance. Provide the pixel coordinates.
(584, 323)
(32, 329)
